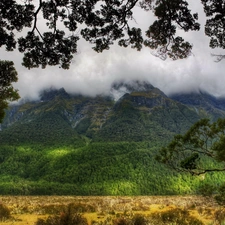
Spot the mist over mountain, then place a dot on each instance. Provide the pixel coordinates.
(127, 100)
(67, 143)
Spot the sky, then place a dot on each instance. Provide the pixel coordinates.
(93, 73)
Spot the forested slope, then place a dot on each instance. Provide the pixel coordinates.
(77, 145)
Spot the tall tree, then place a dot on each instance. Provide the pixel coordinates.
(8, 75)
(189, 152)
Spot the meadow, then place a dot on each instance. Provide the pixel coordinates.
(121, 210)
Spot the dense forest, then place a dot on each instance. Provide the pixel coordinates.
(76, 145)
(94, 169)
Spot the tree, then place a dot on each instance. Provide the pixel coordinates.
(200, 150)
(8, 75)
(101, 23)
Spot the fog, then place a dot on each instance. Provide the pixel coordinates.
(93, 73)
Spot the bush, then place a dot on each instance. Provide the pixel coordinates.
(206, 190)
(219, 216)
(139, 220)
(68, 217)
(220, 198)
(176, 216)
(63, 219)
(121, 221)
(4, 212)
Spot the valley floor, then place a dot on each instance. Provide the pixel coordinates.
(25, 210)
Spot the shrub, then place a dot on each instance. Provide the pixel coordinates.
(176, 216)
(206, 190)
(4, 212)
(139, 220)
(68, 217)
(220, 198)
(63, 219)
(219, 216)
(121, 221)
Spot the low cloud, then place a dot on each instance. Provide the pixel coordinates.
(93, 73)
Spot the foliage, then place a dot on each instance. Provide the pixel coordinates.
(68, 217)
(47, 130)
(219, 216)
(162, 33)
(121, 168)
(137, 219)
(207, 190)
(189, 152)
(172, 216)
(144, 116)
(60, 117)
(121, 221)
(220, 197)
(175, 216)
(8, 75)
(215, 13)
(41, 152)
(103, 23)
(4, 212)
(46, 149)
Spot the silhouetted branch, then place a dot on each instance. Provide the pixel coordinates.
(218, 57)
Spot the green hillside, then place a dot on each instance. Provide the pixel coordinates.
(76, 145)
(96, 169)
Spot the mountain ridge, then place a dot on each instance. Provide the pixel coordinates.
(81, 145)
(141, 95)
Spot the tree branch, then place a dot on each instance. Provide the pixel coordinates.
(218, 57)
(207, 171)
(35, 16)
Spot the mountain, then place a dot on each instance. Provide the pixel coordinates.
(214, 107)
(143, 113)
(104, 145)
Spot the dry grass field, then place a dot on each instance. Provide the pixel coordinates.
(25, 210)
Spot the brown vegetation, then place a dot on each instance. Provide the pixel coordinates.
(4, 212)
(66, 210)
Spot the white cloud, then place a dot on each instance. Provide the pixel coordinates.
(93, 73)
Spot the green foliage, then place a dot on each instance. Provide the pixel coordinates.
(220, 197)
(74, 145)
(48, 129)
(202, 143)
(123, 168)
(207, 190)
(142, 116)
(83, 125)
(8, 75)
(189, 163)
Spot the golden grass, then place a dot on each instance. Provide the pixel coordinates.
(25, 210)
